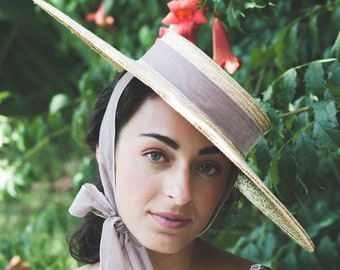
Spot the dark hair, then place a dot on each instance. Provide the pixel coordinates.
(84, 241)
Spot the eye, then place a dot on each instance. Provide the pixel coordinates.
(209, 169)
(155, 156)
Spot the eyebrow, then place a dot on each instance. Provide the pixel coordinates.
(210, 150)
(175, 145)
(168, 141)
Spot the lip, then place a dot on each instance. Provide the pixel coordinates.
(169, 220)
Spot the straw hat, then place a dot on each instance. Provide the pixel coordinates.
(234, 122)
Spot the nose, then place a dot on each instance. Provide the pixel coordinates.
(178, 186)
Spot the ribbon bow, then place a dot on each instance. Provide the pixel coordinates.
(118, 248)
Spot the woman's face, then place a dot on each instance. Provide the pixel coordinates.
(169, 178)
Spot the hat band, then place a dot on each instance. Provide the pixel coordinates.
(235, 123)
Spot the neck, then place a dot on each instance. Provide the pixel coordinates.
(184, 259)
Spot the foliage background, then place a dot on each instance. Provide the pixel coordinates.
(49, 82)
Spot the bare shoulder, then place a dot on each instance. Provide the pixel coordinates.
(95, 266)
(212, 257)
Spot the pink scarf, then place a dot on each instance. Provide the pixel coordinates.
(118, 248)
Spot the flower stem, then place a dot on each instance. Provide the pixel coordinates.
(302, 66)
(303, 109)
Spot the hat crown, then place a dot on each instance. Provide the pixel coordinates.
(216, 97)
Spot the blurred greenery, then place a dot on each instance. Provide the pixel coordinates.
(50, 79)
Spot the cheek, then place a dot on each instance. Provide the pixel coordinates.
(134, 187)
(212, 197)
(209, 199)
(215, 192)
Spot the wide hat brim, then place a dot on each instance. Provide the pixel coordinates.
(248, 182)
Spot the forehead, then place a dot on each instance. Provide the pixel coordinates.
(156, 116)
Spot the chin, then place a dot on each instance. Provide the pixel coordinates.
(166, 245)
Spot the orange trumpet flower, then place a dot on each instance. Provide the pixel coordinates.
(222, 54)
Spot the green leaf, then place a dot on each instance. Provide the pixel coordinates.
(327, 253)
(289, 80)
(108, 5)
(314, 35)
(274, 172)
(306, 156)
(336, 47)
(19, 138)
(262, 155)
(307, 260)
(250, 251)
(268, 94)
(251, 5)
(270, 243)
(325, 128)
(334, 79)
(338, 240)
(38, 128)
(5, 132)
(314, 79)
(232, 16)
(273, 135)
(287, 173)
(58, 102)
(288, 90)
(326, 112)
(289, 262)
(145, 36)
(4, 95)
(302, 121)
(293, 44)
(326, 136)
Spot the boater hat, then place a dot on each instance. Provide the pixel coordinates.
(211, 100)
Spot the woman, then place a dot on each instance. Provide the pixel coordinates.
(168, 161)
(193, 175)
